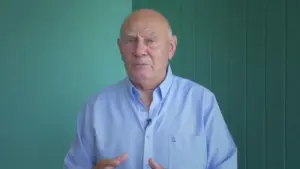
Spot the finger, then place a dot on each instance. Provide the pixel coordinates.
(109, 163)
(114, 162)
(122, 158)
(106, 164)
(108, 167)
(154, 164)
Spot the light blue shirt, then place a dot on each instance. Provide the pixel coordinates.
(186, 130)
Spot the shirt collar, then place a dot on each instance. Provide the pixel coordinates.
(163, 88)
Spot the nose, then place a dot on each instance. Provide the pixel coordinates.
(140, 49)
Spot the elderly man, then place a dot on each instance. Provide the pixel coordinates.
(152, 119)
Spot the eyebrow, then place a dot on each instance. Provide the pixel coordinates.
(151, 33)
(147, 33)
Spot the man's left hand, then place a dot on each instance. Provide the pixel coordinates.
(154, 165)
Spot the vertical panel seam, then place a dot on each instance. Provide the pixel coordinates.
(194, 37)
(284, 85)
(229, 57)
(180, 29)
(265, 81)
(245, 76)
(210, 61)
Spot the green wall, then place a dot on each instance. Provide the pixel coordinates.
(53, 55)
(248, 53)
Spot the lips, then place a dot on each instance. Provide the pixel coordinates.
(141, 65)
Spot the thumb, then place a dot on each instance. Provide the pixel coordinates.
(153, 164)
(122, 158)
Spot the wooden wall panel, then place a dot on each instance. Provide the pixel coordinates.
(248, 53)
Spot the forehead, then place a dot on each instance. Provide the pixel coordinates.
(145, 27)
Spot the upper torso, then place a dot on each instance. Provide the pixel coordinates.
(176, 137)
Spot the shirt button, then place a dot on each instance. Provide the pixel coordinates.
(147, 136)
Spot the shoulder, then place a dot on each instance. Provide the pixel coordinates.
(192, 88)
(201, 98)
(110, 92)
(197, 97)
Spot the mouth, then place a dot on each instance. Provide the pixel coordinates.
(141, 65)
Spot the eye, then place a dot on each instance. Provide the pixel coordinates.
(149, 41)
(129, 40)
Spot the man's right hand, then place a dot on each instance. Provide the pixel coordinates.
(111, 163)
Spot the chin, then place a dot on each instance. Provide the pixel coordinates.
(140, 77)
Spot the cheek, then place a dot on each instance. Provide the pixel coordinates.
(159, 54)
(159, 48)
(126, 53)
(155, 50)
(127, 50)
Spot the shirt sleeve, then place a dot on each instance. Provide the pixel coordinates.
(222, 151)
(81, 153)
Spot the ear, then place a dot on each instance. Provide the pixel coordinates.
(173, 46)
(119, 42)
(119, 45)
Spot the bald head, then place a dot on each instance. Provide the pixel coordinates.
(147, 15)
(146, 45)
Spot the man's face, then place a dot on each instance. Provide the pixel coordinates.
(146, 48)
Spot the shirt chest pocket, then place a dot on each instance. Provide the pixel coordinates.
(187, 152)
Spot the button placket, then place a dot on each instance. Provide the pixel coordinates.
(148, 145)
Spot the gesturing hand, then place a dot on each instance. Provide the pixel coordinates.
(154, 165)
(111, 163)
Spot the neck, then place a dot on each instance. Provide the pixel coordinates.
(146, 88)
(150, 84)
